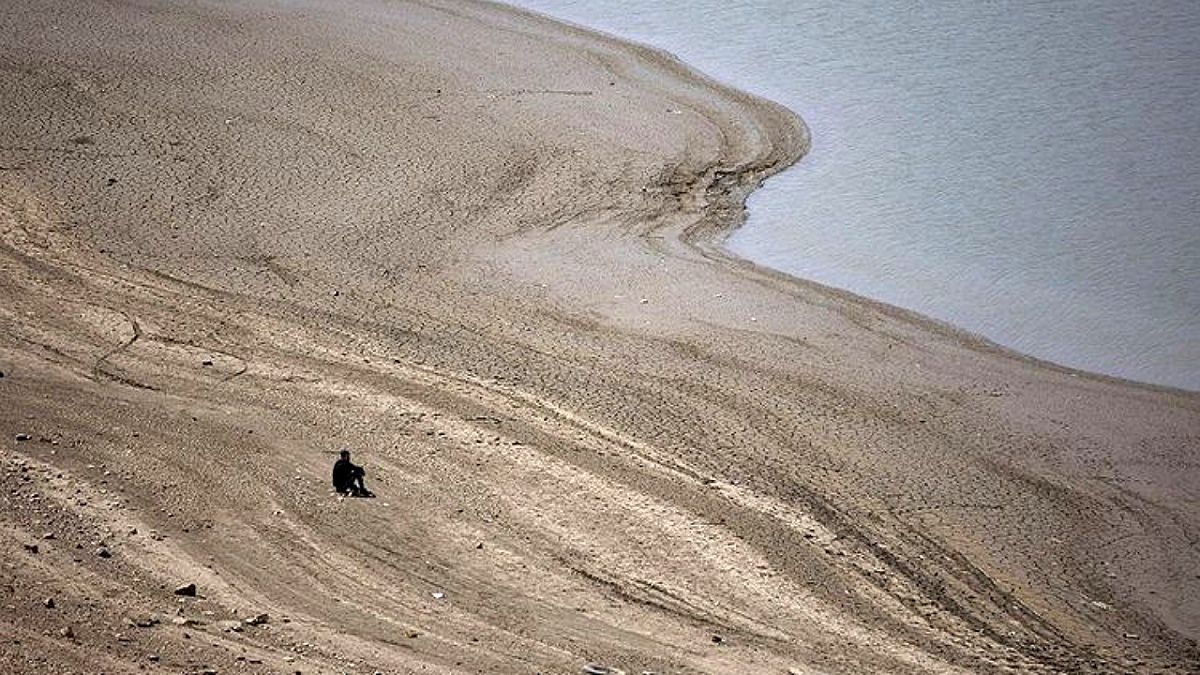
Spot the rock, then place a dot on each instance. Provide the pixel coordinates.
(23, 437)
(717, 639)
(48, 603)
(187, 590)
(795, 671)
(438, 595)
(597, 669)
(479, 545)
(48, 536)
(184, 621)
(103, 552)
(32, 548)
(153, 657)
(67, 632)
(146, 621)
(257, 620)
(230, 626)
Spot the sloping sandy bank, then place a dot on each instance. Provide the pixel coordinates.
(482, 249)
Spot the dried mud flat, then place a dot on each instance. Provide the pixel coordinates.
(483, 250)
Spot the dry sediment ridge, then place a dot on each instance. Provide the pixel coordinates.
(483, 250)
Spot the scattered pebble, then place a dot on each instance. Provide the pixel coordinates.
(146, 621)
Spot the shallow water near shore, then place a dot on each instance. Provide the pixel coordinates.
(1024, 171)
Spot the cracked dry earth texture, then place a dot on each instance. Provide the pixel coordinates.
(482, 250)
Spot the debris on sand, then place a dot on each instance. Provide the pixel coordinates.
(597, 669)
(186, 590)
(146, 621)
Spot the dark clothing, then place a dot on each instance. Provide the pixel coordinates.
(348, 478)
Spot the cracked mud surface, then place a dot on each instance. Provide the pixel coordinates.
(483, 251)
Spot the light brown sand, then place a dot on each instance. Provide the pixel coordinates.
(483, 250)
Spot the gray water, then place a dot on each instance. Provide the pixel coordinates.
(1025, 170)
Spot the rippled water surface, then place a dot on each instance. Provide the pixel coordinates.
(1025, 170)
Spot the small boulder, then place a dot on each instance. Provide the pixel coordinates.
(23, 437)
(103, 552)
(146, 621)
(186, 590)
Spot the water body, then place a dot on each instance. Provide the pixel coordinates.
(1025, 170)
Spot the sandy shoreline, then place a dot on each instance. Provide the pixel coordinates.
(482, 249)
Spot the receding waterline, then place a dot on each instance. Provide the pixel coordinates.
(1025, 171)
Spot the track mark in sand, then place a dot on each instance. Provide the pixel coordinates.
(98, 371)
(268, 263)
(497, 93)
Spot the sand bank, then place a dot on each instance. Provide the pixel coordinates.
(483, 250)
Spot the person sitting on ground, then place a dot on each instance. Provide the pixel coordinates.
(348, 477)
